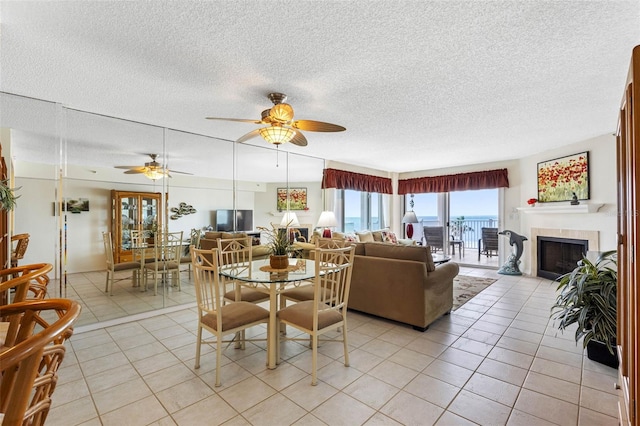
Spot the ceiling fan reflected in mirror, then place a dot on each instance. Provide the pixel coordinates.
(151, 169)
(281, 127)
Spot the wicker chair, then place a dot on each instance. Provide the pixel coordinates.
(30, 362)
(22, 242)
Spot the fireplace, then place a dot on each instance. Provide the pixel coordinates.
(557, 256)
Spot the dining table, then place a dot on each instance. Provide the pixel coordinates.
(260, 276)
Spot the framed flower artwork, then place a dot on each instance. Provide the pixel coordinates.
(559, 179)
(296, 198)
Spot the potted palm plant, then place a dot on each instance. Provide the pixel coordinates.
(588, 299)
(279, 244)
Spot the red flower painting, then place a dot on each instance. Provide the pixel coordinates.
(559, 179)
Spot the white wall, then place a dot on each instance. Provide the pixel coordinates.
(602, 181)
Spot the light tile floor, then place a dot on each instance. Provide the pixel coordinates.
(496, 360)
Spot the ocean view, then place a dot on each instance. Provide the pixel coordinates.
(353, 224)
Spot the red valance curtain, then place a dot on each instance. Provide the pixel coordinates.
(460, 182)
(340, 179)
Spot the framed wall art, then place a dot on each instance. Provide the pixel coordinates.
(296, 197)
(559, 179)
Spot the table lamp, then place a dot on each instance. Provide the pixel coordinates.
(289, 219)
(327, 220)
(410, 218)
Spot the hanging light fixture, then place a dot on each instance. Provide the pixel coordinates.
(277, 135)
(156, 173)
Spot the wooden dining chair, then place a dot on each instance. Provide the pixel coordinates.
(113, 267)
(30, 362)
(167, 248)
(328, 309)
(214, 315)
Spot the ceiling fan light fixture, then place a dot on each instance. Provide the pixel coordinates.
(155, 174)
(277, 135)
(282, 113)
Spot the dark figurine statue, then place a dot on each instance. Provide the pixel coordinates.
(574, 199)
(511, 267)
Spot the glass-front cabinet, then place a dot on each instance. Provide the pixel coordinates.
(132, 211)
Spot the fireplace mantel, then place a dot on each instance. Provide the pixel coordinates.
(580, 208)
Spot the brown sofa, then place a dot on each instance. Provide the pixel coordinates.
(210, 240)
(401, 283)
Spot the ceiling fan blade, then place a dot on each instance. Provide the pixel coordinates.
(299, 139)
(180, 173)
(317, 126)
(240, 120)
(133, 172)
(251, 134)
(127, 167)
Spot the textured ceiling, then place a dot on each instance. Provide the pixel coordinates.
(419, 85)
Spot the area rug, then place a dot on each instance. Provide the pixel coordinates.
(466, 287)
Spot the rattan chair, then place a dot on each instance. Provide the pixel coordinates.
(29, 362)
(113, 267)
(27, 281)
(17, 253)
(327, 312)
(214, 315)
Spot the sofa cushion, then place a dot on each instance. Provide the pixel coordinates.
(377, 235)
(211, 235)
(393, 251)
(365, 236)
(230, 235)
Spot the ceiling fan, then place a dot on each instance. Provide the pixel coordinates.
(281, 127)
(151, 169)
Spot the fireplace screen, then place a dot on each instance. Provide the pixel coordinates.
(557, 256)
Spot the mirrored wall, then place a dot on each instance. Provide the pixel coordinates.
(78, 174)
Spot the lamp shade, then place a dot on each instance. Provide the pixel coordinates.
(289, 219)
(410, 217)
(327, 220)
(277, 135)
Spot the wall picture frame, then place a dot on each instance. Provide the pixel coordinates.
(560, 178)
(296, 198)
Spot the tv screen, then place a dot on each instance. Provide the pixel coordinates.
(243, 218)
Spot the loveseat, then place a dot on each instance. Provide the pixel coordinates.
(210, 240)
(401, 283)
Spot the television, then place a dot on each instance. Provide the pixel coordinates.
(225, 219)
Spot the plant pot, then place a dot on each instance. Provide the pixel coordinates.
(279, 261)
(598, 352)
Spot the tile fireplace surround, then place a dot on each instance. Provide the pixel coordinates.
(591, 236)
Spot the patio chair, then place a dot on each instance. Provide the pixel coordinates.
(488, 244)
(434, 237)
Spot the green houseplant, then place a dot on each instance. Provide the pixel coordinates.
(588, 298)
(279, 245)
(7, 196)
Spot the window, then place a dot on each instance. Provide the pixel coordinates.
(362, 210)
